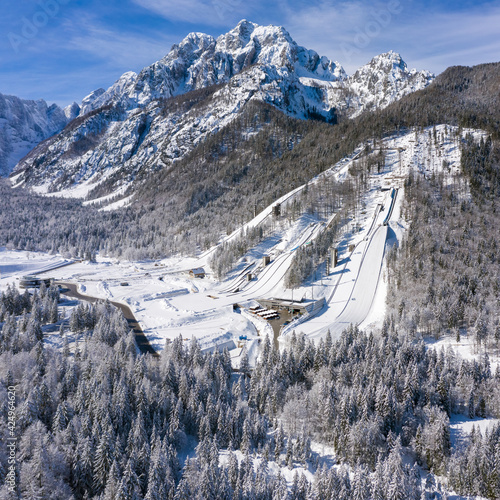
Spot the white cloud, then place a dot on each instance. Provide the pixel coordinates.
(205, 12)
(345, 31)
(119, 49)
(460, 38)
(104, 52)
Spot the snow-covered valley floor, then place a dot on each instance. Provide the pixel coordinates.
(167, 302)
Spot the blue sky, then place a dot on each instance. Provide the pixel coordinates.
(61, 50)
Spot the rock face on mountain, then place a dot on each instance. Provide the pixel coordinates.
(200, 61)
(146, 121)
(383, 80)
(24, 124)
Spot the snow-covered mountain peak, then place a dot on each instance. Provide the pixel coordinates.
(72, 111)
(95, 94)
(191, 47)
(200, 60)
(250, 44)
(245, 31)
(135, 126)
(390, 64)
(388, 61)
(88, 100)
(272, 46)
(383, 80)
(100, 97)
(123, 85)
(238, 37)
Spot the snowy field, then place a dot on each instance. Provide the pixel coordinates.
(461, 427)
(167, 302)
(14, 264)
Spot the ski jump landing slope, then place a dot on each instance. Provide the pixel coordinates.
(360, 303)
(354, 293)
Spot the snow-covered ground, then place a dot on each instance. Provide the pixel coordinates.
(14, 264)
(461, 427)
(322, 454)
(466, 349)
(168, 303)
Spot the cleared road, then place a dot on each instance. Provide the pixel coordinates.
(140, 339)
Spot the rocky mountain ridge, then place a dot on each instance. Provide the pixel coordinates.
(147, 121)
(26, 123)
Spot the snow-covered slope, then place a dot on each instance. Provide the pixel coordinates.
(383, 80)
(146, 121)
(354, 291)
(200, 61)
(24, 124)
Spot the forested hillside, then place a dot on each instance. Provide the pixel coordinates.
(445, 277)
(247, 165)
(108, 424)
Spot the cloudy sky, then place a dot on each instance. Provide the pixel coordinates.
(61, 50)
